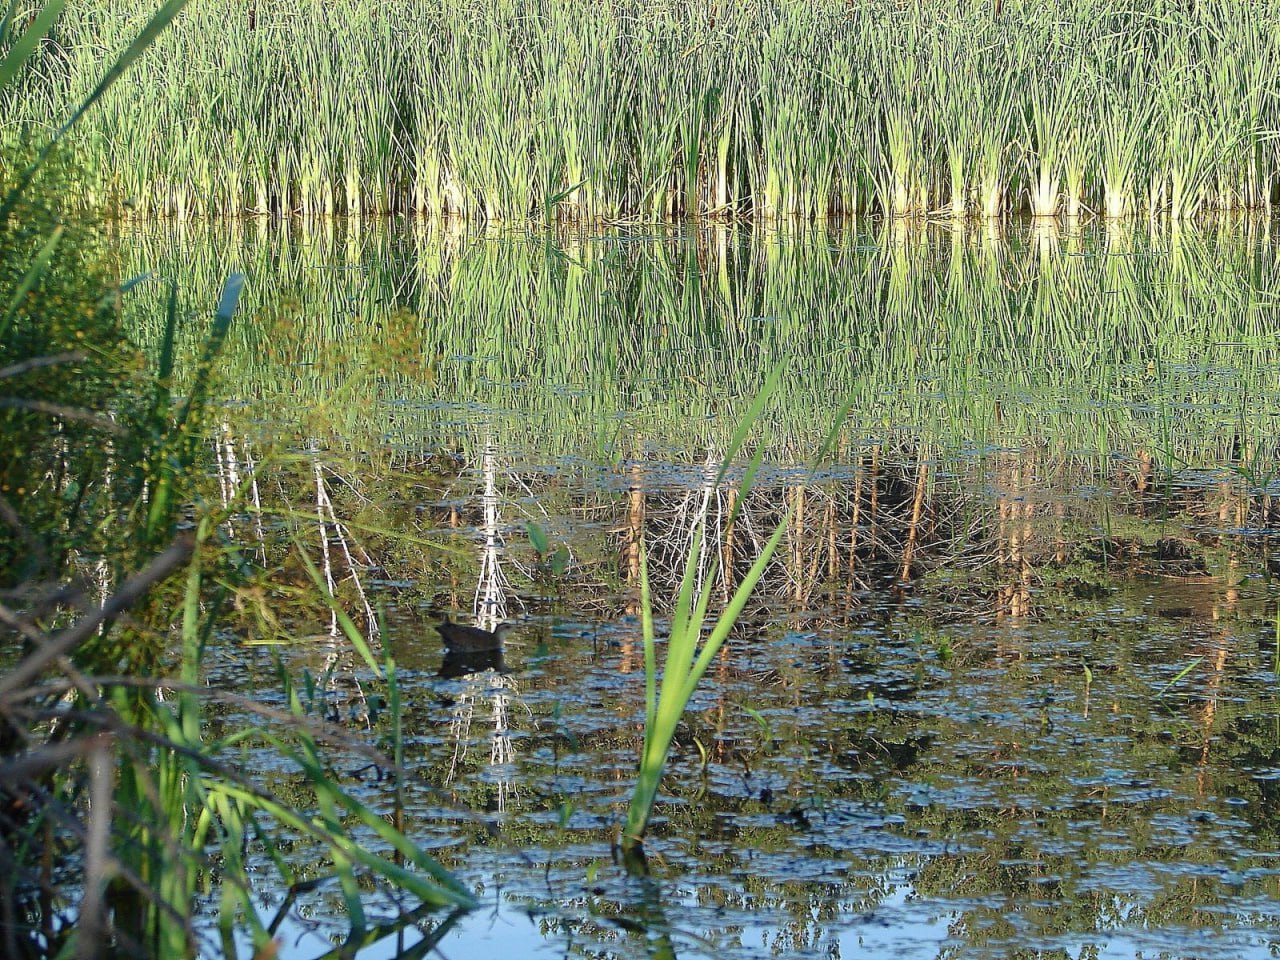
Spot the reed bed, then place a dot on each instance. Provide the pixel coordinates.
(507, 110)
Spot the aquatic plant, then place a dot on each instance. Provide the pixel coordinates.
(688, 652)
(664, 326)
(118, 801)
(509, 109)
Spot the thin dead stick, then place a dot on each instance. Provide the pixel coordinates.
(45, 595)
(133, 590)
(321, 498)
(39, 762)
(65, 412)
(917, 511)
(97, 859)
(37, 363)
(320, 729)
(37, 637)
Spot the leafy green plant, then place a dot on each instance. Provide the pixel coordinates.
(118, 803)
(688, 654)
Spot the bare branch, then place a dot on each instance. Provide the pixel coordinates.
(39, 762)
(130, 593)
(66, 413)
(37, 363)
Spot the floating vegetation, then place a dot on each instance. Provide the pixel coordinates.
(632, 109)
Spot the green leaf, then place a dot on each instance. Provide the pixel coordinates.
(26, 44)
(567, 191)
(132, 282)
(1182, 673)
(7, 22)
(30, 279)
(537, 538)
(159, 20)
(349, 628)
(14, 59)
(560, 560)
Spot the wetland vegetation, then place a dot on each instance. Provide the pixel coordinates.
(1017, 639)
(900, 570)
(654, 109)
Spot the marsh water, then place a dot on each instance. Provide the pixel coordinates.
(1008, 688)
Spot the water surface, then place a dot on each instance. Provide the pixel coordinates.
(1008, 687)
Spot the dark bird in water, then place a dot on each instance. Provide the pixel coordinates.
(460, 639)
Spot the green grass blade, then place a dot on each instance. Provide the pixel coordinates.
(159, 20)
(349, 628)
(26, 44)
(159, 470)
(684, 632)
(829, 441)
(178, 452)
(650, 642)
(1181, 673)
(6, 23)
(684, 663)
(144, 39)
(231, 291)
(30, 279)
(700, 614)
(734, 608)
(750, 417)
(164, 374)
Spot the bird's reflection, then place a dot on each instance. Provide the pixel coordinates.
(461, 663)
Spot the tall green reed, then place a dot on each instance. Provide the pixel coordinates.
(507, 109)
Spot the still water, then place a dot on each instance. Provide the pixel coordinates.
(1008, 687)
